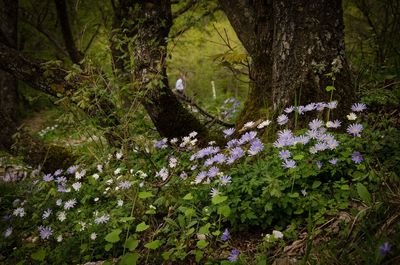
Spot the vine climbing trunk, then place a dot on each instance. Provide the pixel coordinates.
(297, 49)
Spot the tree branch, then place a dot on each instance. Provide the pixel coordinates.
(75, 55)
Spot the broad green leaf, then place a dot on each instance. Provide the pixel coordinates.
(298, 157)
(108, 247)
(316, 184)
(188, 197)
(131, 243)
(129, 259)
(39, 255)
(113, 236)
(363, 193)
(225, 210)
(205, 229)
(126, 219)
(141, 227)
(330, 88)
(153, 244)
(189, 212)
(201, 244)
(218, 199)
(145, 194)
(190, 231)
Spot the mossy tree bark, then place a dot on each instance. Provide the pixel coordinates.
(292, 44)
(146, 25)
(9, 102)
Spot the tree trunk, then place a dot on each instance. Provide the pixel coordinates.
(292, 45)
(146, 25)
(9, 102)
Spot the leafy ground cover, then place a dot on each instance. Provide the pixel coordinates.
(327, 193)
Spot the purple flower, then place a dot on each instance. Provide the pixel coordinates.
(319, 164)
(125, 185)
(57, 172)
(72, 169)
(225, 235)
(61, 179)
(289, 109)
(212, 172)
(228, 132)
(8, 232)
(315, 124)
(48, 178)
(247, 137)
(333, 161)
(161, 144)
(255, 147)
(320, 106)
(309, 107)
(385, 248)
(282, 119)
(334, 124)
(358, 107)
(302, 139)
(288, 163)
(284, 154)
(301, 109)
(61, 188)
(45, 232)
(355, 129)
(219, 158)
(199, 178)
(236, 153)
(209, 162)
(357, 157)
(233, 256)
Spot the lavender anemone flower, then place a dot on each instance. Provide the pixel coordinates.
(288, 163)
(255, 147)
(45, 232)
(357, 157)
(282, 119)
(233, 256)
(355, 129)
(225, 235)
(358, 107)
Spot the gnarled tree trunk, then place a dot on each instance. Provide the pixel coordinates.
(146, 25)
(292, 44)
(9, 102)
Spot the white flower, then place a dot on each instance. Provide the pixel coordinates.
(46, 214)
(173, 140)
(8, 232)
(118, 156)
(69, 204)
(61, 216)
(117, 171)
(248, 124)
(173, 162)
(93, 236)
(109, 182)
(102, 219)
(163, 173)
(263, 124)
(352, 116)
(96, 199)
(277, 234)
(304, 192)
(192, 134)
(96, 176)
(20, 211)
(59, 202)
(77, 186)
(79, 175)
(120, 203)
(100, 168)
(59, 238)
(83, 226)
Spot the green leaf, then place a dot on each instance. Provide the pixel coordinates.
(145, 194)
(39, 255)
(293, 195)
(201, 244)
(129, 259)
(330, 88)
(113, 236)
(131, 243)
(218, 199)
(190, 231)
(298, 157)
(316, 184)
(108, 247)
(153, 244)
(189, 212)
(126, 219)
(188, 197)
(205, 229)
(225, 210)
(141, 227)
(364, 193)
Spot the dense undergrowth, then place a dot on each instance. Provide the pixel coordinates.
(327, 193)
